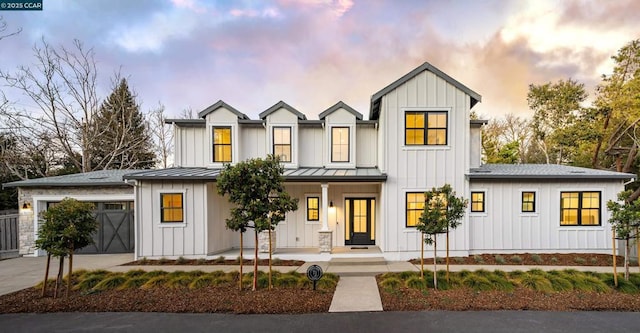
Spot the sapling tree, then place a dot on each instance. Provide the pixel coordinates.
(625, 220)
(67, 226)
(256, 188)
(442, 212)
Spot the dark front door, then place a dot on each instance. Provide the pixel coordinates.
(360, 216)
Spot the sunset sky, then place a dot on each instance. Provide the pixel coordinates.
(313, 53)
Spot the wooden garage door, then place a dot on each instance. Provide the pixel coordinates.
(115, 228)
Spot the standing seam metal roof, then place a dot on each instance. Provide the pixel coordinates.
(542, 171)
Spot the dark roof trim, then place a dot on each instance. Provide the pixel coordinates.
(186, 122)
(480, 176)
(478, 122)
(311, 123)
(221, 104)
(282, 105)
(257, 122)
(376, 98)
(54, 184)
(367, 122)
(338, 106)
(291, 179)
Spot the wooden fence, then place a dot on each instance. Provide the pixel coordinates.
(8, 236)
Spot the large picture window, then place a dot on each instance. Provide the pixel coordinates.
(282, 143)
(340, 144)
(313, 209)
(425, 128)
(415, 207)
(477, 202)
(580, 208)
(171, 208)
(222, 144)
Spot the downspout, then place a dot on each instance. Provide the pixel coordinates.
(136, 219)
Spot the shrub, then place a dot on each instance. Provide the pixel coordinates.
(163, 261)
(440, 260)
(153, 274)
(559, 283)
(624, 286)
(501, 283)
(201, 261)
(276, 261)
(537, 272)
(415, 282)
(635, 279)
(594, 260)
(554, 260)
(329, 276)
(88, 282)
(478, 259)
(407, 275)
(111, 282)
(221, 280)
(287, 281)
(536, 258)
(477, 283)
(516, 259)
(202, 281)
(195, 274)
(134, 273)
(391, 283)
(181, 260)
(144, 261)
(590, 283)
(154, 282)
(221, 260)
(517, 275)
(238, 259)
(179, 281)
(536, 282)
(459, 260)
(134, 282)
(500, 259)
(326, 284)
(579, 260)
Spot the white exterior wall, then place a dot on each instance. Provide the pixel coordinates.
(504, 229)
(312, 146)
(283, 118)
(154, 239)
(252, 142)
(419, 168)
(475, 150)
(340, 118)
(366, 145)
(190, 146)
(218, 209)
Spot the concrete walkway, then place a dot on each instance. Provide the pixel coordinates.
(356, 294)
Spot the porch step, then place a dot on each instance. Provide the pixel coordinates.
(358, 261)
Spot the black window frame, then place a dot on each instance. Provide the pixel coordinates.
(483, 202)
(163, 209)
(426, 129)
(580, 209)
(406, 209)
(274, 145)
(348, 144)
(313, 209)
(532, 202)
(214, 144)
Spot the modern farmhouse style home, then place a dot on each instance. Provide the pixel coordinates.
(361, 182)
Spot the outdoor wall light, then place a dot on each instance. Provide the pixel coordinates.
(26, 205)
(330, 204)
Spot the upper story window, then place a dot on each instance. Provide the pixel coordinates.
(221, 144)
(580, 208)
(477, 202)
(339, 144)
(171, 208)
(414, 207)
(528, 202)
(282, 143)
(425, 128)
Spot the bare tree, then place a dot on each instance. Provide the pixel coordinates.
(3, 29)
(187, 113)
(162, 135)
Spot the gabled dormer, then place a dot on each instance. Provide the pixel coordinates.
(223, 133)
(281, 122)
(340, 135)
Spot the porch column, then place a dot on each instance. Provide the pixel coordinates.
(325, 235)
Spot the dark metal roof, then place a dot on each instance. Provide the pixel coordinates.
(94, 178)
(376, 98)
(282, 105)
(221, 104)
(186, 122)
(542, 171)
(337, 106)
(290, 175)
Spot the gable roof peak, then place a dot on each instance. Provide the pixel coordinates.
(337, 106)
(221, 104)
(282, 105)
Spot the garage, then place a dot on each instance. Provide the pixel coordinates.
(115, 232)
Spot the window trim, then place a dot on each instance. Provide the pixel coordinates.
(522, 202)
(312, 196)
(274, 144)
(579, 212)
(214, 144)
(162, 208)
(348, 128)
(406, 208)
(426, 128)
(484, 201)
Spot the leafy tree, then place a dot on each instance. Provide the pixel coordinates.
(123, 141)
(67, 226)
(508, 140)
(625, 220)
(256, 188)
(442, 211)
(556, 107)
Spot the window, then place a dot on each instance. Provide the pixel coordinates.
(477, 202)
(580, 208)
(528, 202)
(171, 208)
(222, 144)
(415, 206)
(313, 209)
(282, 143)
(340, 144)
(425, 128)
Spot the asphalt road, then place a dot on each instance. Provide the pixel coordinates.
(438, 321)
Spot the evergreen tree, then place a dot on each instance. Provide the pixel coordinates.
(122, 141)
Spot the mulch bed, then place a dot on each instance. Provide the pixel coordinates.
(192, 262)
(463, 299)
(549, 259)
(205, 300)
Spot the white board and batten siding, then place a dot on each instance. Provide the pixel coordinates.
(420, 168)
(311, 146)
(156, 239)
(252, 142)
(191, 148)
(503, 228)
(366, 145)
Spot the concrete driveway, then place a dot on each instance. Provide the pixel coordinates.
(24, 272)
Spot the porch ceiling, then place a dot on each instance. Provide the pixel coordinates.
(290, 175)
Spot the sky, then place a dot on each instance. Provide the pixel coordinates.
(188, 54)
